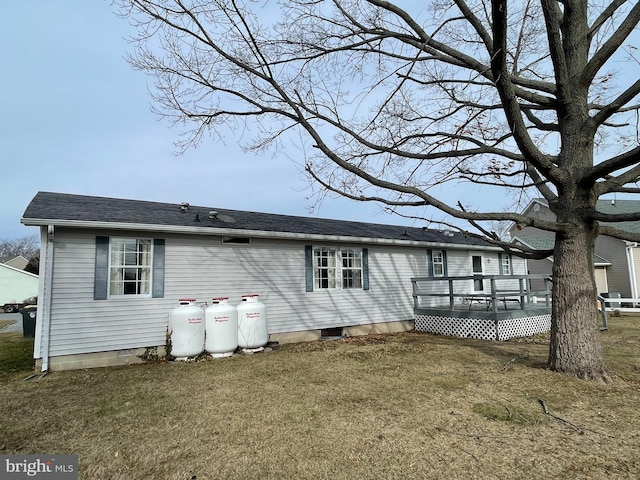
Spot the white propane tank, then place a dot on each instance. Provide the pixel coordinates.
(252, 323)
(186, 325)
(221, 328)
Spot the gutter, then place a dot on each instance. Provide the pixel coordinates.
(45, 318)
(249, 233)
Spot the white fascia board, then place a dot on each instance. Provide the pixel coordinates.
(247, 233)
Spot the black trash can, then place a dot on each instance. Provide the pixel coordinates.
(29, 321)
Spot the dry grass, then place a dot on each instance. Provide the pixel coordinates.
(397, 406)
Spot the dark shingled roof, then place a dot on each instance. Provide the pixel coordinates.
(47, 207)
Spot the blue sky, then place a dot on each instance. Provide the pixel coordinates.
(75, 118)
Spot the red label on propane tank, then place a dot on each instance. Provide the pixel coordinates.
(194, 320)
(221, 319)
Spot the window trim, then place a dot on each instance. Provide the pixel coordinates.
(311, 277)
(102, 269)
(357, 255)
(328, 272)
(439, 263)
(502, 258)
(138, 282)
(431, 264)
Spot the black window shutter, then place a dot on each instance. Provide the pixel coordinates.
(101, 272)
(308, 267)
(157, 290)
(365, 269)
(445, 270)
(430, 263)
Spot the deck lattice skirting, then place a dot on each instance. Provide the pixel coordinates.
(483, 328)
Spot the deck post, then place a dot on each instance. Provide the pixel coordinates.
(494, 299)
(451, 303)
(546, 295)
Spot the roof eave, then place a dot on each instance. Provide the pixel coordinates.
(40, 222)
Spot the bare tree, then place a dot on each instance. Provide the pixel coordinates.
(28, 247)
(395, 104)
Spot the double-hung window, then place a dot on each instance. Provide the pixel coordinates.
(324, 272)
(351, 268)
(506, 266)
(438, 263)
(336, 268)
(130, 266)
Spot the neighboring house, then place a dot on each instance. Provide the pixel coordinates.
(15, 261)
(616, 262)
(16, 286)
(112, 270)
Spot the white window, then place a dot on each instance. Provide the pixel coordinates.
(351, 268)
(438, 263)
(324, 271)
(130, 266)
(328, 272)
(506, 265)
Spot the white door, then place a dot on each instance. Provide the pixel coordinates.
(477, 285)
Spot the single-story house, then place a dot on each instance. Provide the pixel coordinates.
(112, 270)
(616, 262)
(16, 285)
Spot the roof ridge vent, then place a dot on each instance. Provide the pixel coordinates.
(184, 206)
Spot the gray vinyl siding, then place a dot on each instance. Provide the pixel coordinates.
(614, 251)
(275, 270)
(539, 267)
(80, 324)
(459, 265)
(202, 267)
(608, 248)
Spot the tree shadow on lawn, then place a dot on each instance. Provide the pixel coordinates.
(531, 352)
(620, 343)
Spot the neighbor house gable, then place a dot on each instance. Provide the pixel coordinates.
(16, 261)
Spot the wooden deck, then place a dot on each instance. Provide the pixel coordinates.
(506, 307)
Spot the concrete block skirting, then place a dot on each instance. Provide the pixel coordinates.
(110, 358)
(132, 356)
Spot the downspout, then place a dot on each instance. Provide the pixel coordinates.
(632, 269)
(46, 301)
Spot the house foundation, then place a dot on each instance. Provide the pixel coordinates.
(137, 355)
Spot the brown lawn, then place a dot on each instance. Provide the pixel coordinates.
(395, 406)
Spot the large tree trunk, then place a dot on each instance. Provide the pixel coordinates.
(575, 347)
